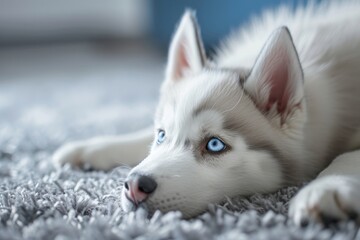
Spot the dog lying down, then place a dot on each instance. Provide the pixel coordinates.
(278, 105)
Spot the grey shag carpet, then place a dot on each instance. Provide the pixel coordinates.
(39, 202)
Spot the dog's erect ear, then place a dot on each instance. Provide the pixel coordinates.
(186, 53)
(276, 80)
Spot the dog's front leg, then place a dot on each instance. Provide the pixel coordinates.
(104, 153)
(334, 195)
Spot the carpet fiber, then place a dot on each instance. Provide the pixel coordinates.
(38, 201)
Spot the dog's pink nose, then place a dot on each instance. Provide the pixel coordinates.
(138, 187)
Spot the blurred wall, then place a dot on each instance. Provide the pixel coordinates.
(57, 20)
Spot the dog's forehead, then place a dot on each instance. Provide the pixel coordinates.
(206, 87)
(208, 91)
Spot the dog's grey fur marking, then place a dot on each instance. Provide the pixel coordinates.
(233, 125)
(187, 143)
(201, 108)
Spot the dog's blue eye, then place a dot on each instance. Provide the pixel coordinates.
(160, 137)
(215, 145)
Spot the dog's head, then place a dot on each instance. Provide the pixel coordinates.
(220, 132)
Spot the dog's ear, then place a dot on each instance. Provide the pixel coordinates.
(276, 80)
(186, 53)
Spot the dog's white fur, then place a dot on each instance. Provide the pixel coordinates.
(286, 105)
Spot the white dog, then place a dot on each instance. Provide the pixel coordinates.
(265, 113)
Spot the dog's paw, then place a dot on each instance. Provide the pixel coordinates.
(84, 154)
(327, 200)
(71, 153)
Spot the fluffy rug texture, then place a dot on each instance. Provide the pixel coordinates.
(38, 201)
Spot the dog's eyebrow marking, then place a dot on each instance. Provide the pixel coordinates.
(233, 125)
(202, 107)
(187, 143)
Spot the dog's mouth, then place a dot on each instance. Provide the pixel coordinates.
(135, 204)
(129, 205)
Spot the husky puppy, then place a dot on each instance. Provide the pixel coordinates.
(278, 105)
